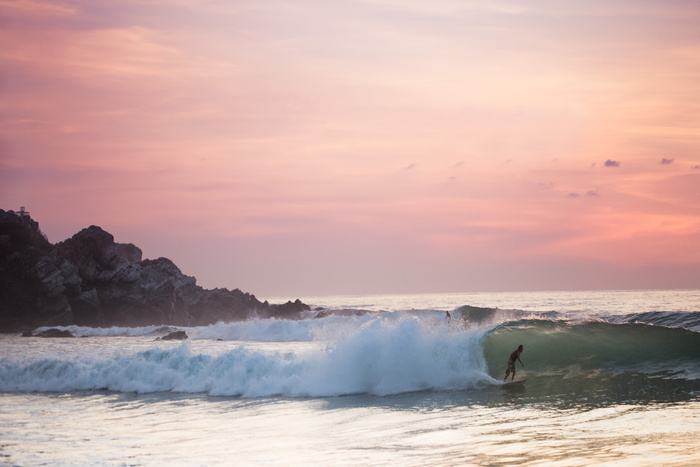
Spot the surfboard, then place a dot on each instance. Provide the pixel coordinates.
(514, 384)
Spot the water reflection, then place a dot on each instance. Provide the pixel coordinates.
(580, 392)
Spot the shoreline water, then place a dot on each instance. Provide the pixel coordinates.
(403, 386)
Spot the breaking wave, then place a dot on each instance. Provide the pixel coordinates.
(380, 354)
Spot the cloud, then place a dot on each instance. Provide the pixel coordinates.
(612, 163)
(410, 167)
(590, 193)
(696, 167)
(665, 161)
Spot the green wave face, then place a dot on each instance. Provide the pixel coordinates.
(600, 361)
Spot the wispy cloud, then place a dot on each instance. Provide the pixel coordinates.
(612, 163)
(31, 8)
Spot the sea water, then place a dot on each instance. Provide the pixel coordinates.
(613, 378)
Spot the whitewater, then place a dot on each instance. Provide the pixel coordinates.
(613, 378)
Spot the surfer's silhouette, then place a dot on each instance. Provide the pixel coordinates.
(511, 362)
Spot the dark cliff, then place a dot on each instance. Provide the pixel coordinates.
(90, 280)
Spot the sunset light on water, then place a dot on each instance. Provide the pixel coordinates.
(312, 232)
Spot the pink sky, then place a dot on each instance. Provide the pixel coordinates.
(315, 147)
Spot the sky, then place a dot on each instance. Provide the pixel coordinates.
(315, 147)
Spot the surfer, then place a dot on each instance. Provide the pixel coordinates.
(511, 362)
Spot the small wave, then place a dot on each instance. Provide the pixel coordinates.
(673, 319)
(480, 316)
(475, 315)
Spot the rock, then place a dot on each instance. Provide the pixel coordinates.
(131, 253)
(90, 280)
(50, 277)
(54, 333)
(91, 297)
(175, 335)
(27, 334)
(289, 310)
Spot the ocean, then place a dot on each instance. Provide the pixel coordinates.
(612, 378)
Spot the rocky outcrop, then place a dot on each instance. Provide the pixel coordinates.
(90, 280)
(54, 333)
(175, 335)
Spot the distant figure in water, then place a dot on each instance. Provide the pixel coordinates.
(448, 317)
(511, 362)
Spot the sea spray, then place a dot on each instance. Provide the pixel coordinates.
(393, 356)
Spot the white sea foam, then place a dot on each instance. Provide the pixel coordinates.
(377, 355)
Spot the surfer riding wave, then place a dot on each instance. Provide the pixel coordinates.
(511, 362)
